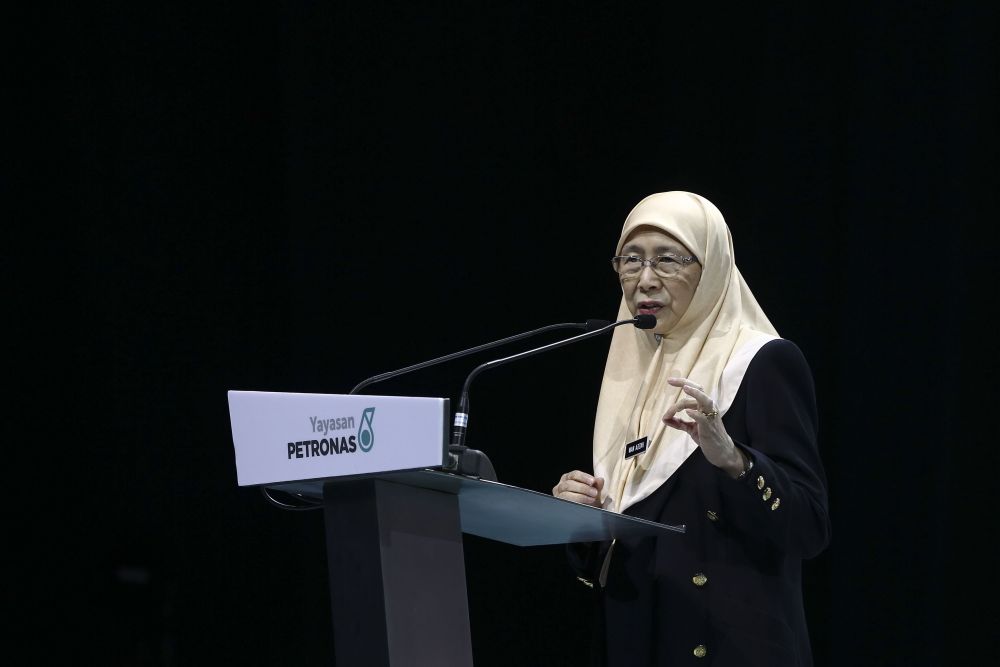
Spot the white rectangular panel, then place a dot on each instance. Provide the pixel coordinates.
(282, 437)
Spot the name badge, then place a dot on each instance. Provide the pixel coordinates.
(636, 447)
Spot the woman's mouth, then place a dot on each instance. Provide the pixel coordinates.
(648, 307)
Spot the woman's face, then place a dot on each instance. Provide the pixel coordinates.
(666, 297)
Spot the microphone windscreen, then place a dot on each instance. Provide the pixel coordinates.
(594, 325)
(645, 321)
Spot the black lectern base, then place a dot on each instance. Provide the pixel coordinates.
(397, 575)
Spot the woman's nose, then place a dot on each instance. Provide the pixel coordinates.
(648, 279)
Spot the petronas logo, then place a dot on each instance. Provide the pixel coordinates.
(366, 433)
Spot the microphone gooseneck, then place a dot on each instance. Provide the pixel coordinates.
(589, 325)
(461, 423)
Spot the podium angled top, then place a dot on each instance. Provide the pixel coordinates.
(512, 514)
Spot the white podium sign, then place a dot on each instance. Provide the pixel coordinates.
(282, 437)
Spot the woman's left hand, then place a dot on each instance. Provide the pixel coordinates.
(706, 429)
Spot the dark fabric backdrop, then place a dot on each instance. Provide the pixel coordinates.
(295, 196)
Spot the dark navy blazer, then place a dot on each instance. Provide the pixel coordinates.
(729, 590)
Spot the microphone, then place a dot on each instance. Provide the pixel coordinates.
(480, 465)
(589, 325)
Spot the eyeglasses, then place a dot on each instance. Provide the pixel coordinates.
(628, 267)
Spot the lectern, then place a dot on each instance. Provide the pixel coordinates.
(394, 516)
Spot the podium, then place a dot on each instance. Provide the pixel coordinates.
(394, 536)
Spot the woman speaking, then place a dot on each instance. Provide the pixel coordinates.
(707, 420)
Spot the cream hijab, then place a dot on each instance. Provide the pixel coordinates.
(712, 345)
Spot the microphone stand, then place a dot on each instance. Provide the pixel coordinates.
(473, 462)
(589, 325)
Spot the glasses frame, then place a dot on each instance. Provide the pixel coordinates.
(684, 260)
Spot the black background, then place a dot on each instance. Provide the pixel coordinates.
(295, 196)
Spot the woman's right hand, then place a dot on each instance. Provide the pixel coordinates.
(579, 487)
